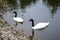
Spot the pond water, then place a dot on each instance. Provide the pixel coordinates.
(39, 11)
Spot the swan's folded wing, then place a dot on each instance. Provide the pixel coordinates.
(40, 25)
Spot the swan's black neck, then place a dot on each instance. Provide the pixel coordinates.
(32, 22)
(15, 13)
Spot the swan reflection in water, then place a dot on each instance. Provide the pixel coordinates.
(32, 36)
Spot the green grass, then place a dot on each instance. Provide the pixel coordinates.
(1, 22)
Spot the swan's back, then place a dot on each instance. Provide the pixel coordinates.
(40, 25)
(18, 19)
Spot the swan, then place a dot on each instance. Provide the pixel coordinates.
(17, 19)
(39, 25)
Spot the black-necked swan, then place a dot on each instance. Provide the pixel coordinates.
(16, 18)
(39, 25)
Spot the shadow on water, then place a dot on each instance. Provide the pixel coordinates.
(19, 23)
(7, 5)
(53, 5)
(25, 3)
(12, 4)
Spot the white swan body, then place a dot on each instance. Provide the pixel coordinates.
(18, 19)
(40, 25)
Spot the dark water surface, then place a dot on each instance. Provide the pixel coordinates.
(40, 11)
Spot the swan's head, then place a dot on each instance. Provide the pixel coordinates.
(30, 19)
(15, 13)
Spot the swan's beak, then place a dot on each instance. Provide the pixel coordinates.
(29, 20)
(14, 12)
